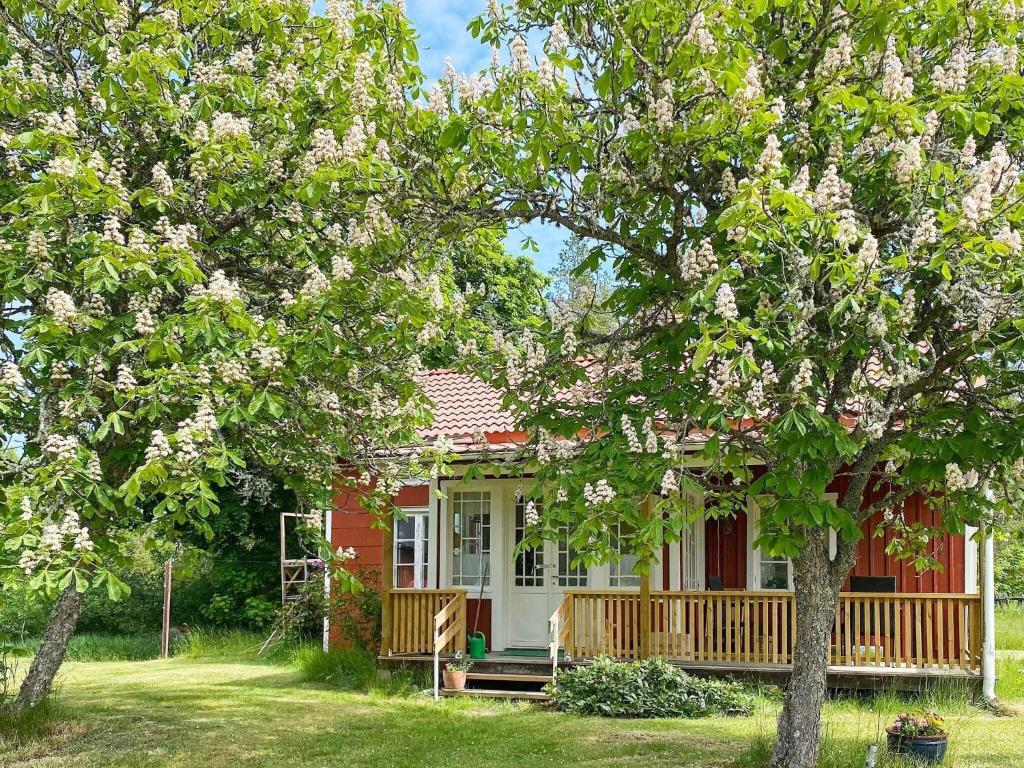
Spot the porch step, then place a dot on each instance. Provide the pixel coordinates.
(494, 693)
(509, 677)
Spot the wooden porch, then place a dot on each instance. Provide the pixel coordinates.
(878, 639)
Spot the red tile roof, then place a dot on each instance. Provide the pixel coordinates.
(463, 405)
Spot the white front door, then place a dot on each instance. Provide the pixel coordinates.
(533, 594)
(537, 583)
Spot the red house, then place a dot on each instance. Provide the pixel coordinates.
(714, 602)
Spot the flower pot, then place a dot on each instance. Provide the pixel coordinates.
(454, 680)
(931, 749)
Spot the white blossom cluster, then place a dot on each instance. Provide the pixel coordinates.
(61, 307)
(598, 493)
(63, 448)
(699, 262)
(10, 376)
(221, 288)
(531, 517)
(958, 480)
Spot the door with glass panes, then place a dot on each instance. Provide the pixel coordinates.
(537, 582)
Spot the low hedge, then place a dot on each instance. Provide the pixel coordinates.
(645, 689)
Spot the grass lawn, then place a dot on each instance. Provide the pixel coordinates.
(232, 713)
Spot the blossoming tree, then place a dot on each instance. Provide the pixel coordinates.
(215, 253)
(811, 211)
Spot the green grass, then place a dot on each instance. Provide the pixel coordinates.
(95, 647)
(233, 713)
(232, 644)
(355, 670)
(1010, 628)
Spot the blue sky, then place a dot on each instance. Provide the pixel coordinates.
(441, 25)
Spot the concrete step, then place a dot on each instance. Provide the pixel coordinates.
(509, 677)
(493, 693)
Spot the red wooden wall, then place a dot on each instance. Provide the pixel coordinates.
(725, 551)
(725, 555)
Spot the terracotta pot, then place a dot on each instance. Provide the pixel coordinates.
(932, 749)
(454, 680)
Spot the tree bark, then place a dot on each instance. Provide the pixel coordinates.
(817, 593)
(45, 665)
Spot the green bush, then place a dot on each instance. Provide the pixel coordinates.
(23, 613)
(652, 688)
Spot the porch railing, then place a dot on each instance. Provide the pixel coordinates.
(449, 633)
(909, 631)
(414, 613)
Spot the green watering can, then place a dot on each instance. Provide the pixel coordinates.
(477, 646)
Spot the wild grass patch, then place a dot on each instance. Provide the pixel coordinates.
(352, 669)
(1010, 628)
(101, 647)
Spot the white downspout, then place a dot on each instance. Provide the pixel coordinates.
(327, 583)
(988, 607)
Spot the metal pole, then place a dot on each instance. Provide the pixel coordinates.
(988, 605)
(327, 584)
(437, 669)
(165, 634)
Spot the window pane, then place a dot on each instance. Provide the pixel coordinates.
(406, 553)
(406, 529)
(471, 540)
(529, 566)
(411, 550)
(621, 572)
(569, 575)
(774, 574)
(405, 576)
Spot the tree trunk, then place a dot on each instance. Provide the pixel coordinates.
(816, 592)
(51, 652)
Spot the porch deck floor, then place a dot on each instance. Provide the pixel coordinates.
(841, 676)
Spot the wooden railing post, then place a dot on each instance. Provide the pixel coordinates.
(460, 638)
(645, 593)
(387, 568)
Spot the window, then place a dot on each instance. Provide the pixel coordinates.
(775, 571)
(412, 553)
(769, 571)
(569, 575)
(530, 562)
(622, 570)
(471, 538)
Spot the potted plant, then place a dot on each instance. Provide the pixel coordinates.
(455, 672)
(920, 735)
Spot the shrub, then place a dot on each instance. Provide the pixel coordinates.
(23, 612)
(652, 688)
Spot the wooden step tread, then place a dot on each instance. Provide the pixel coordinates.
(508, 676)
(487, 693)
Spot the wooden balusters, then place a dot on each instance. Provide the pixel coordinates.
(414, 612)
(910, 631)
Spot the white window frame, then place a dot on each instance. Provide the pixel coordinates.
(421, 547)
(677, 551)
(493, 508)
(616, 577)
(539, 578)
(570, 578)
(755, 557)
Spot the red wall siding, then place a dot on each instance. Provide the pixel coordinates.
(948, 549)
(484, 625)
(725, 551)
(872, 560)
(352, 526)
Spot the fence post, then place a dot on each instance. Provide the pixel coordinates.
(165, 632)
